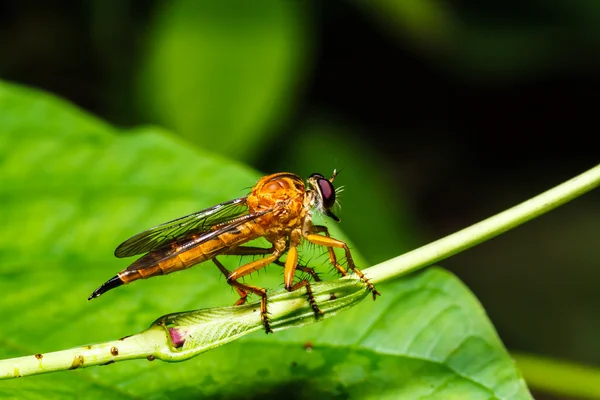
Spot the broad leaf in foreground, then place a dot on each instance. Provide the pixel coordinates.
(72, 188)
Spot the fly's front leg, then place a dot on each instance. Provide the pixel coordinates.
(331, 243)
(332, 256)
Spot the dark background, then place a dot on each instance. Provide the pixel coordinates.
(440, 113)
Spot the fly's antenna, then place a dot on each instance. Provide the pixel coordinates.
(335, 174)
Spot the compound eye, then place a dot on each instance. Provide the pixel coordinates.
(327, 192)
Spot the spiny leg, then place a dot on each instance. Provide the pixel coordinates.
(248, 269)
(332, 256)
(249, 250)
(243, 294)
(289, 271)
(253, 251)
(330, 243)
(256, 251)
(303, 268)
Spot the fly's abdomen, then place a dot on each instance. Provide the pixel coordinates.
(177, 258)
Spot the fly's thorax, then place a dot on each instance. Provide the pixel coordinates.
(282, 194)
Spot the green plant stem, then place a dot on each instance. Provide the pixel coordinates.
(486, 229)
(141, 345)
(181, 336)
(559, 377)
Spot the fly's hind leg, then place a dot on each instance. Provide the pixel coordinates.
(243, 293)
(331, 243)
(232, 279)
(241, 251)
(290, 267)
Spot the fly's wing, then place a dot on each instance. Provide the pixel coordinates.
(186, 243)
(179, 229)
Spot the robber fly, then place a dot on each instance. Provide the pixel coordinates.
(279, 208)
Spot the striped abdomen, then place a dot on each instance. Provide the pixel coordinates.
(176, 257)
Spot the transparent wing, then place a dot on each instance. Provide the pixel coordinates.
(179, 229)
(186, 243)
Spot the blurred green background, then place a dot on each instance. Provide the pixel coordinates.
(440, 113)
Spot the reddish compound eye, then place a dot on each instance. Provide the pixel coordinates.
(327, 193)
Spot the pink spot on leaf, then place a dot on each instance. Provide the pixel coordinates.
(177, 337)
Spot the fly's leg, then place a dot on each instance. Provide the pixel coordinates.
(249, 268)
(303, 268)
(331, 243)
(253, 251)
(243, 294)
(332, 256)
(289, 271)
(290, 267)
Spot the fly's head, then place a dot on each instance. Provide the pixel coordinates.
(323, 194)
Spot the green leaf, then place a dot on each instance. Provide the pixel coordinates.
(73, 188)
(223, 73)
